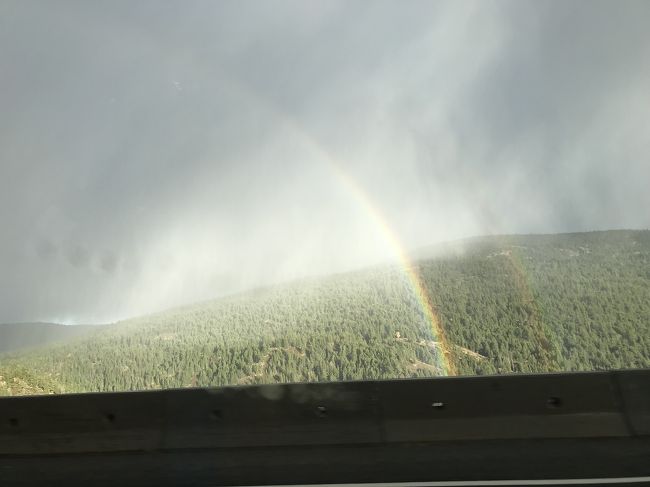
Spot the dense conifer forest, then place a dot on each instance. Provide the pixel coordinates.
(509, 304)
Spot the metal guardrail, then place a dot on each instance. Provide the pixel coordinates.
(374, 431)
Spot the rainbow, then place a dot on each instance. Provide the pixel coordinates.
(522, 283)
(445, 364)
(444, 359)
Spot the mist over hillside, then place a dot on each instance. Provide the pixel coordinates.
(506, 304)
(152, 156)
(19, 336)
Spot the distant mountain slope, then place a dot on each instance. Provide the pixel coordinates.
(17, 336)
(525, 303)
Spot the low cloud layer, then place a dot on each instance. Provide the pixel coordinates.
(157, 154)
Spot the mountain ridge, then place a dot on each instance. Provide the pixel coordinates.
(508, 304)
(19, 336)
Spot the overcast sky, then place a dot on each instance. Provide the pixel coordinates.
(157, 153)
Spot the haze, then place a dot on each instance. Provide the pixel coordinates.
(158, 153)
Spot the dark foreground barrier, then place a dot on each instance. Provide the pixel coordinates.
(556, 429)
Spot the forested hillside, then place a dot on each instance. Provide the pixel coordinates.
(507, 304)
(17, 379)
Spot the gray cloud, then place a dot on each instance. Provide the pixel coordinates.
(152, 155)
